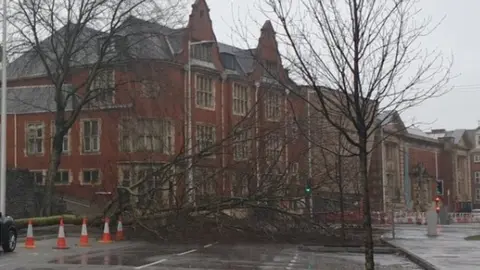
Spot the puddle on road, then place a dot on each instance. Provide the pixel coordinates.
(128, 257)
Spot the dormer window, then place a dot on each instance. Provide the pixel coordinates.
(228, 61)
(107, 46)
(271, 69)
(202, 52)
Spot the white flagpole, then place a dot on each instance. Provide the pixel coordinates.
(3, 146)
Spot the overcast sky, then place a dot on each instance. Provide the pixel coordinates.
(455, 36)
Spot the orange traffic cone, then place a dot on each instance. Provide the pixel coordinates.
(106, 237)
(84, 234)
(30, 241)
(61, 241)
(119, 235)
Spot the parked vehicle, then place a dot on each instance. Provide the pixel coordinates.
(8, 233)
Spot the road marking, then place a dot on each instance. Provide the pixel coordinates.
(5, 264)
(209, 245)
(186, 252)
(150, 264)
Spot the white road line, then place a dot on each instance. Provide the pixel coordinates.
(186, 252)
(209, 245)
(150, 264)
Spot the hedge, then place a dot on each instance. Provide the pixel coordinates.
(67, 219)
(48, 221)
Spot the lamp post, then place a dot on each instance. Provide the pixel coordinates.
(308, 200)
(3, 145)
(191, 190)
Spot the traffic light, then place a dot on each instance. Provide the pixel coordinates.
(308, 187)
(437, 204)
(439, 187)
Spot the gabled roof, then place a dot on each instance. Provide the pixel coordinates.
(30, 64)
(144, 40)
(457, 135)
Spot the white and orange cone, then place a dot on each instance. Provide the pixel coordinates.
(84, 234)
(61, 241)
(30, 241)
(106, 237)
(119, 235)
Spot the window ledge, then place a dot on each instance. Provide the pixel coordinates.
(205, 108)
(239, 114)
(91, 153)
(35, 154)
(90, 184)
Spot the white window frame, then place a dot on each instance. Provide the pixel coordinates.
(66, 139)
(135, 170)
(477, 194)
(273, 104)
(476, 176)
(104, 81)
(240, 99)
(241, 145)
(205, 185)
(202, 52)
(476, 158)
(91, 150)
(273, 147)
(90, 170)
(150, 135)
(271, 69)
(126, 127)
(69, 177)
(204, 140)
(35, 174)
(204, 98)
(31, 133)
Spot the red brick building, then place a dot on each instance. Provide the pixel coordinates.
(414, 161)
(110, 143)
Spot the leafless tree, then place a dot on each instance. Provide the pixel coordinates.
(359, 58)
(338, 166)
(232, 192)
(61, 39)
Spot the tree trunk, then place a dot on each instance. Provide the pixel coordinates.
(55, 158)
(367, 218)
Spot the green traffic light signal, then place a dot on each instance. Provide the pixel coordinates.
(308, 189)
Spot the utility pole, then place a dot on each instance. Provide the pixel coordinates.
(3, 145)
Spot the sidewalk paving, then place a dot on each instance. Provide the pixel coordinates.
(449, 250)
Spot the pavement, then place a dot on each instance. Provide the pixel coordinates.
(136, 255)
(449, 250)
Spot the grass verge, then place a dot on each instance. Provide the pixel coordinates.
(473, 238)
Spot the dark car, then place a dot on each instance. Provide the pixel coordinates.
(8, 233)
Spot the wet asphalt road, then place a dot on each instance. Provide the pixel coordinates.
(140, 255)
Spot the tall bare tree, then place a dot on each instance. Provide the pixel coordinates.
(360, 58)
(58, 40)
